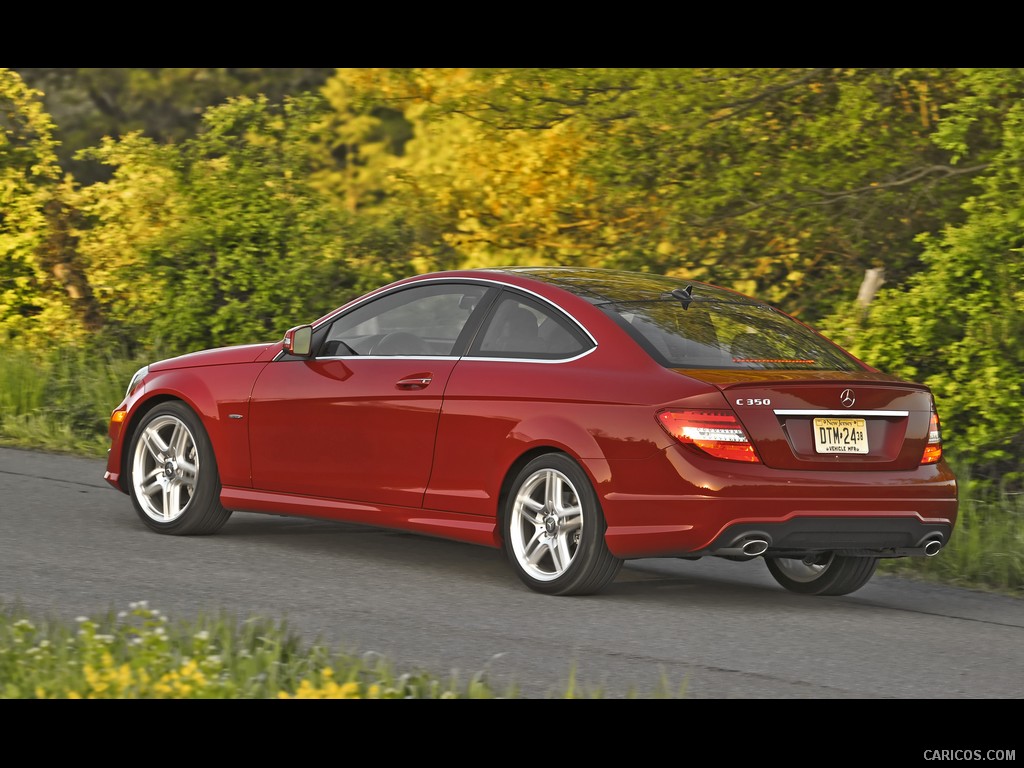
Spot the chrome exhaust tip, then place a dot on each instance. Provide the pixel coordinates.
(932, 547)
(744, 548)
(754, 547)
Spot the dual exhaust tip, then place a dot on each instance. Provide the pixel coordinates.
(755, 547)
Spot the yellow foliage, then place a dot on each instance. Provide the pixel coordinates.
(127, 216)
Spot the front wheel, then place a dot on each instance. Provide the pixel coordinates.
(827, 574)
(554, 529)
(172, 473)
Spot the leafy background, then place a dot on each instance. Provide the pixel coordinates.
(153, 211)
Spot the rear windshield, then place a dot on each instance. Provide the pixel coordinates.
(721, 334)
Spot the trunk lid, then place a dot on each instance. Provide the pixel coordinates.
(828, 420)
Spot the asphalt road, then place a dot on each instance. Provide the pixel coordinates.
(70, 546)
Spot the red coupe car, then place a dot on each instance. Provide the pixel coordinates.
(575, 417)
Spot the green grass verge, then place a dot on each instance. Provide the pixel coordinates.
(140, 654)
(60, 400)
(986, 550)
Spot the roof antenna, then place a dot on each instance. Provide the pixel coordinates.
(684, 296)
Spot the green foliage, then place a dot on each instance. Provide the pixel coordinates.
(219, 240)
(361, 141)
(141, 654)
(166, 104)
(31, 297)
(955, 325)
(223, 220)
(60, 399)
(787, 183)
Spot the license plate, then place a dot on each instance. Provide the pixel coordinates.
(833, 435)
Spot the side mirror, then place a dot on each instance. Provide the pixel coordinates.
(298, 341)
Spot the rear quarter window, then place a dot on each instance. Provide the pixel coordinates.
(522, 328)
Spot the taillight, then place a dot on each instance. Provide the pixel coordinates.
(716, 433)
(933, 450)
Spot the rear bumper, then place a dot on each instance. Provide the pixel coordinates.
(682, 505)
(893, 536)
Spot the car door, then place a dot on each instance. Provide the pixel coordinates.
(518, 370)
(358, 421)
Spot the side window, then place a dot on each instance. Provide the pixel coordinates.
(425, 320)
(520, 327)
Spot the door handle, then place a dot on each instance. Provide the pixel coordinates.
(419, 381)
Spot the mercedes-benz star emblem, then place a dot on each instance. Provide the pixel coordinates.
(847, 398)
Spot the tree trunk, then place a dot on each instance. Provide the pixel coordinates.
(58, 255)
(873, 279)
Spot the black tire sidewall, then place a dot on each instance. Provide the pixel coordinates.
(842, 576)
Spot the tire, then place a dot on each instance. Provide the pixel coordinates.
(172, 473)
(835, 575)
(554, 529)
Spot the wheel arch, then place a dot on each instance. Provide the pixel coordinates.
(510, 475)
(517, 466)
(549, 433)
(180, 490)
(211, 400)
(555, 542)
(137, 417)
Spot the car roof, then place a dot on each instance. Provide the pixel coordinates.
(609, 286)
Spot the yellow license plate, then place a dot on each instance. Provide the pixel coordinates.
(835, 435)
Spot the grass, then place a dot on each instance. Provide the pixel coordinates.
(986, 550)
(61, 400)
(141, 654)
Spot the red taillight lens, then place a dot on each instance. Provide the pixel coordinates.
(933, 450)
(716, 433)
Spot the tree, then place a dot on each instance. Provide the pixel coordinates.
(956, 324)
(220, 239)
(787, 183)
(165, 104)
(44, 292)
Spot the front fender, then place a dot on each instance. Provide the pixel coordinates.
(221, 402)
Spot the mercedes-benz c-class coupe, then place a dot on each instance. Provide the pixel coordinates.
(575, 418)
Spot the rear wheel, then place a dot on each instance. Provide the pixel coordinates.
(554, 529)
(173, 478)
(827, 574)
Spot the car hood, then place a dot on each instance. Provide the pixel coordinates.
(246, 353)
